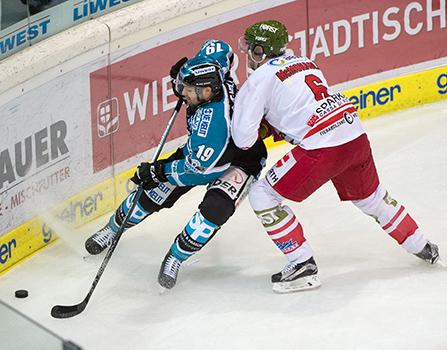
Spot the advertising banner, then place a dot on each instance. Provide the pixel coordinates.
(353, 39)
(53, 20)
(131, 100)
(45, 147)
(140, 98)
(399, 93)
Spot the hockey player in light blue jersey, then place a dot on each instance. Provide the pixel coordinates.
(206, 151)
(209, 157)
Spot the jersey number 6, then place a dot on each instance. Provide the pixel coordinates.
(317, 86)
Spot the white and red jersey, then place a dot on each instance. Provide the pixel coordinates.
(292, 95)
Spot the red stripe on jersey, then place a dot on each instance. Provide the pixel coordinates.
(327, 122)
(394, 218)
(404, 230)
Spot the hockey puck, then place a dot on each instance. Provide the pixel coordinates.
(21, 293)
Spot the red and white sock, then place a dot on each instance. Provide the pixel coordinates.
(280, 222)
(287, 234)
(394, 219)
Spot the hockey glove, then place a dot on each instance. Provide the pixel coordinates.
(149, 175)
(174, 72)
(265, 130)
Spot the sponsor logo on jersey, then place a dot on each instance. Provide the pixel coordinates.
(332, 127)
(193, 122)
(193, 166)
(174, 166)
(281, 61)
(349, 117)
(203, 71)
(205, 122)
(293, 69)
(277, 62)
(312, 120)
(330, 104)
(107, 115)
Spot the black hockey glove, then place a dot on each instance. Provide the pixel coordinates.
(149, 175)
(176, 67)
(174, 72)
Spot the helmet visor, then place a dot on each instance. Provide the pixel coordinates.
(257, 54)
(242, 44)
(179, 85)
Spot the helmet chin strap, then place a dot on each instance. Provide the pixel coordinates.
(200, 97)
(199, 93)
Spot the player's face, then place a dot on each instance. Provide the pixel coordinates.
(192, 99)
(190, 95)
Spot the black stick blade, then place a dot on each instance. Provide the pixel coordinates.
(61, 311)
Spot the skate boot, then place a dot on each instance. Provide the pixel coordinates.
(169, 271)
(430, 253)
(296, 277)
(100, 240)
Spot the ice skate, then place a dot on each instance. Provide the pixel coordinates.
(296, 277)
(100, 240)
(169, 271)
(430, 254)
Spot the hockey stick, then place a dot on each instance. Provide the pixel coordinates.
(66, 311)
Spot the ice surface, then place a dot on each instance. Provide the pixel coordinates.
(374, 295)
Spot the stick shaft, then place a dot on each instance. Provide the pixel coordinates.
(81, 306)
(134, 202)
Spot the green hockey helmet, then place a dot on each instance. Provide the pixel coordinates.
(270, 35)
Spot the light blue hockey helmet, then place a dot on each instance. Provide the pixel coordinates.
(219, 51)
(200, 72)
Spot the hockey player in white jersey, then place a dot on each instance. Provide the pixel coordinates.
(289, 96)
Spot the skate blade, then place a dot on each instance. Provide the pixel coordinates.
(301, 284)
(192, 262)
(163, 290)
(441, 263)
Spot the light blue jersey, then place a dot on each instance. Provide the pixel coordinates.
(204, 159)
